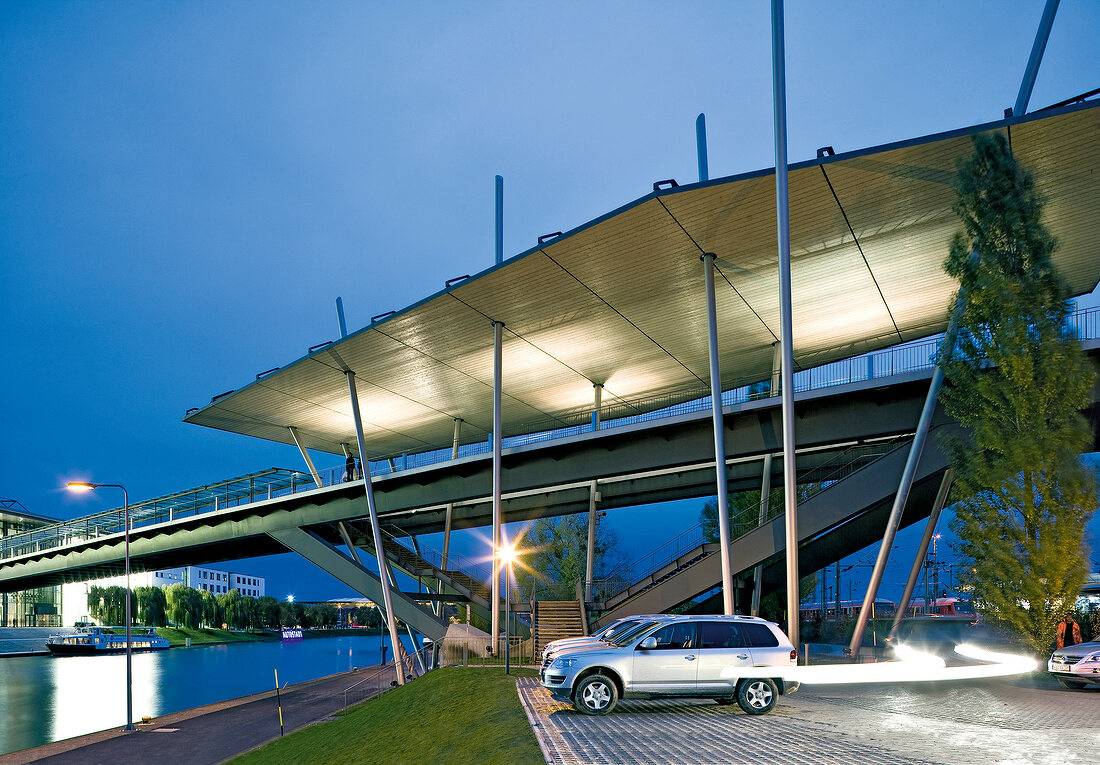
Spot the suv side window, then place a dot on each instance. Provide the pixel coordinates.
(675, 636)
(720, 635)
(759, 636)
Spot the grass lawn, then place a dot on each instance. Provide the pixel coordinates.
(178, 636)
(452, 715)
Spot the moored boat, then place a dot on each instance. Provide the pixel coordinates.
(91, 640)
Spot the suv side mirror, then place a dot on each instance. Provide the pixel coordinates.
(648, 644)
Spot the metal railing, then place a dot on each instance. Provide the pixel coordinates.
(477, 651)
(269, 484)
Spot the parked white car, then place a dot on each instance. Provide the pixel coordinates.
(1076, 666)
(617, 628)
(725, 658)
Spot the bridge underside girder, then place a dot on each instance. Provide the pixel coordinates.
(365, 582)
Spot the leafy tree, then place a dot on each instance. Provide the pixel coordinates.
(368, 616)
(151, 606)
(184, 605)
(250, 613)
(1017, 380)
(555, 560)
(269, 611)
(323, 615)
(210, 614)
(229, 604)
(744, 509)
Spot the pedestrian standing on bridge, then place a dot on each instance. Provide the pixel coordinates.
(1068, 632)
(349, 468)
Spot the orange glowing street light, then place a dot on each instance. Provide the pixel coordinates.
(85, 486)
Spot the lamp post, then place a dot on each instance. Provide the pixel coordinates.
(82, 486)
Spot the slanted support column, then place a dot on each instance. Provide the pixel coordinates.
(719, 435)
(922, 551)
(348, 543)
(305, 456)
(376, 529)
(790, 498)
(590, 556)
(701, 146)
(457, 436)
(498, 358)
(765, 503)
(910, 470)
(1042, 34)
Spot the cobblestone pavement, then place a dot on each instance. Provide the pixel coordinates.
(1002, 722)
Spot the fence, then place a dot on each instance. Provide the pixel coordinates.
(477, 651)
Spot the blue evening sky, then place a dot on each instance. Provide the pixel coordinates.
(186, 187)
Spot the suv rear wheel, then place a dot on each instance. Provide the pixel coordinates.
(757, 695)
(595, 695)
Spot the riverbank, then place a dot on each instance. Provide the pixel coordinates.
(31, 641)
(207, 734)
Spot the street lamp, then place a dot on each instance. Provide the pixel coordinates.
(507, 556)
(82, 486)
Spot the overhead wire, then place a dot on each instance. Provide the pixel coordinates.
(861, 253)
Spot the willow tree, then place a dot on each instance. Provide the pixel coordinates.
(1017, 381)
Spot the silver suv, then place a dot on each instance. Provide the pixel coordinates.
(1076, 666)
(724, 658)
(617, 628)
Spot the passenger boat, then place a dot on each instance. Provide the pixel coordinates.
(92, 640)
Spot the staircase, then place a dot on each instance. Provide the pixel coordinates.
(557, 619)
(419, 567)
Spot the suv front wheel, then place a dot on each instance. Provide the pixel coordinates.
(757, 695)
(595, 695)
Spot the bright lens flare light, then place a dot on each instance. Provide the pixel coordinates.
(78, 486)
(507, 555)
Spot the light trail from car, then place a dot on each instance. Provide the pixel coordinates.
(912, 666)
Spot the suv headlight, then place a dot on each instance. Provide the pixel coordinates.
(562, 663)
(1092, 658)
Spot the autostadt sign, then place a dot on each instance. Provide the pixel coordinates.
(292, 633)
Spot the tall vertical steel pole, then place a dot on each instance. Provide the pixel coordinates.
(762, 518)
(590, 555)
(597, 405)
(790, 497)
(498, 358)
(500, 220)
(455, 442)
(719, 435)
(376, 529)
(129, 619)
(1042, 34)
(701, 146)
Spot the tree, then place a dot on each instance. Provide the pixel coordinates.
(151, 606)
(556, 559)
(184, 606)
(368, 616)
(744, 510)
(269, 611)
(1017, 381)
(229, 604)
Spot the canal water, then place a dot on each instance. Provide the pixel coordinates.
(49, 698)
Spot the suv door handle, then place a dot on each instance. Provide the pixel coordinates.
(690, 657)
(743, 656)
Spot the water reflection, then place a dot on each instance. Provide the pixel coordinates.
(48, 698)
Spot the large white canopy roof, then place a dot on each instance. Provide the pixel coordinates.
(620, 301)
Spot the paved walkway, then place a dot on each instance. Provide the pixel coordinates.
(1024, 722)
(214, 733)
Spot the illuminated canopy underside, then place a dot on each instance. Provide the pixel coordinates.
(620, 301)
